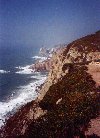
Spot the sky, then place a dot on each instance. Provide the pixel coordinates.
(47, 22)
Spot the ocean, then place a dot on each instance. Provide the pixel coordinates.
(18, 83)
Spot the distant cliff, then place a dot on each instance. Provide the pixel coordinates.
(46, 64)
(69, 98)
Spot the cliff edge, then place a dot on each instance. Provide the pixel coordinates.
(69, 98)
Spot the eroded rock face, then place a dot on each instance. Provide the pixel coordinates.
(42, 66)
(81, 51)
(84, 51)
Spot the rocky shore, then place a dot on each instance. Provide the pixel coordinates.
(69, 100)
(47, 63)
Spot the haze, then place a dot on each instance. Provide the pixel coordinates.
(47, 22)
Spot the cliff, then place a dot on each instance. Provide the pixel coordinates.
(69, 98)
(46, 65)
(42, 66)
(84, 50)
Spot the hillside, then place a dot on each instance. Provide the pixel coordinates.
(69, 98)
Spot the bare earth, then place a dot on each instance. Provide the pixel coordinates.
(95, 127)
(94, 70)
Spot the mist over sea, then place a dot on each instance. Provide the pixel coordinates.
(18, 83)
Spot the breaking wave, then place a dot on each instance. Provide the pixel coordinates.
(3, 71)
(41, 59)
(24, 95)
(24, 70)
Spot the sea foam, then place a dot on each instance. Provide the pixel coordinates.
(24, 70)
(3, 71)
(25, 94)
(40, 58)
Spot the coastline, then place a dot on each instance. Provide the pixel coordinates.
(23, 94)
(67, 101)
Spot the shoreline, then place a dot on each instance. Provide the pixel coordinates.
(67, 101)
(22, 95)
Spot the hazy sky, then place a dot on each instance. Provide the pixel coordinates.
(47, 22)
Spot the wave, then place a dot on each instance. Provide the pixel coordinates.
(3, 71)
(25, 94)
(41, 59)
(24, 70)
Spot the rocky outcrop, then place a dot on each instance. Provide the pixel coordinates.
(46, 65)
(42, 66)
(68, 99)
(81, 51)
(47, 52)
(44, 52)
(42, 63)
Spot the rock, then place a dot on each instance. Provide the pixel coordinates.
(44, 52)
(42, 66)
(69, 69)
(46, 65)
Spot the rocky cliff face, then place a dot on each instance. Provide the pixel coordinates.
(84, 50)
(69, 97)
(46, 65)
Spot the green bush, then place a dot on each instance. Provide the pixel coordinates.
(77, 107)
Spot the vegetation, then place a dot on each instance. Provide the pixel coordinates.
(69, 104)
(85, 45)
(67, 118)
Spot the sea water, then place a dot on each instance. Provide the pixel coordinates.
(18, 83)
